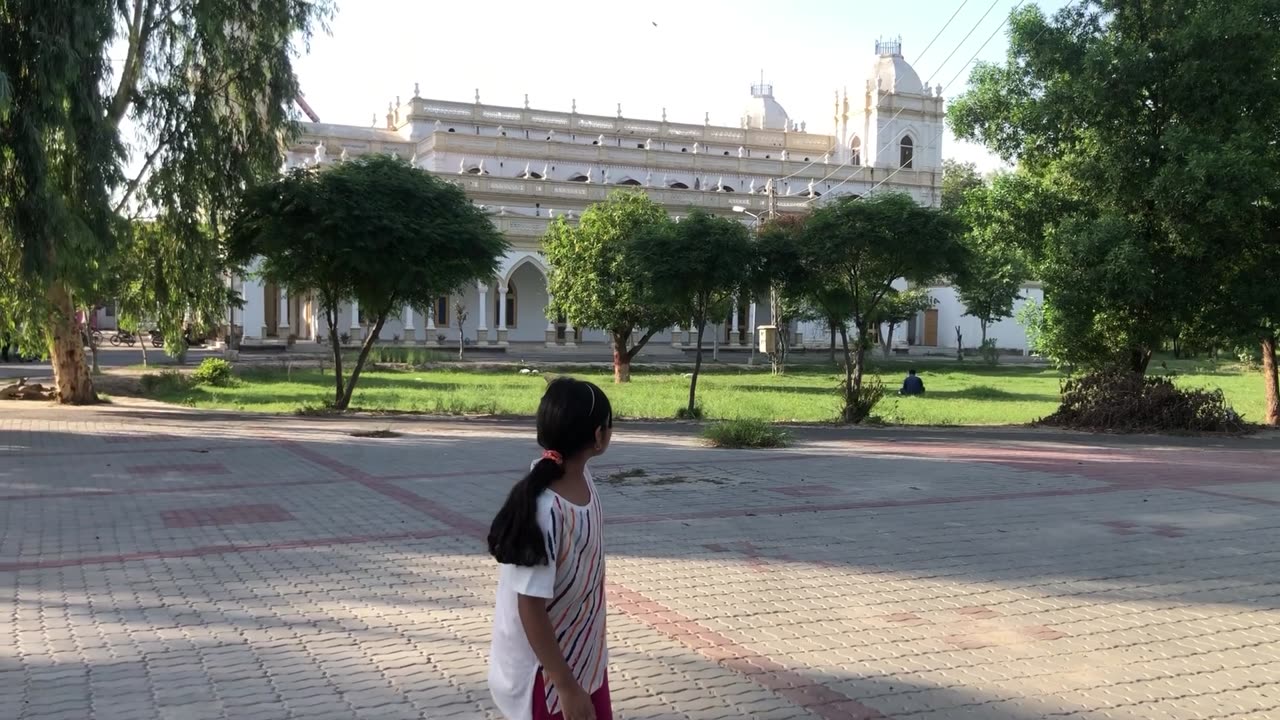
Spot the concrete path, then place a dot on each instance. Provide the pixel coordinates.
(157, 563)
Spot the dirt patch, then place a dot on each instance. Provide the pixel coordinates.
(640, 476)
(384, 433)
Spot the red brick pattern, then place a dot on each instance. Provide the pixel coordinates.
(225, 515)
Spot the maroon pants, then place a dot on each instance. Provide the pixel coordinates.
(599, 699)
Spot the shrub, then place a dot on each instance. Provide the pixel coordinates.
(1128, 402)
(990, 353)
(214, 371)
(166, 382)
(745, 434)
(859, 403)
(685, 414)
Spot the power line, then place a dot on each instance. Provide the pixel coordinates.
(944, 28)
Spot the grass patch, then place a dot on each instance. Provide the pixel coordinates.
(958, 393)
(745, 434)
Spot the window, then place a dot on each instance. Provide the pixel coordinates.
(856, 146)
(109, 310)
(678, 186)
(442, 312)
(578, 178)
(630, 181)
(726, 188)
(511, 307)
(906, 152)
(639, 146)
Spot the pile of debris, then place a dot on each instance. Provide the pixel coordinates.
(22, 391)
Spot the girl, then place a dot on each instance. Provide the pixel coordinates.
(548, 658)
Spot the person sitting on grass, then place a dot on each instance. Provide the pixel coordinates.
(912, 385)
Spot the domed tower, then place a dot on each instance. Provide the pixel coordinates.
(763, 112)
(900, 121)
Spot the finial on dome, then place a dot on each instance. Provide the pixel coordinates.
(573, 107)
(415, 90)
(526, 101)
(664, 114)
(619, 109)
(706, 118)
(477, 96)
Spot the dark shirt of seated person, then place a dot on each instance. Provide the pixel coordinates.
(912, 385)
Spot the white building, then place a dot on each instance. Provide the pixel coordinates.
(527, 166)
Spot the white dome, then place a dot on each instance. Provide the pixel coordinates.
(763, 112)
(893, 72)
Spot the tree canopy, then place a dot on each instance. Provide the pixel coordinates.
(373, 229)
(596, 282)
(855, 248)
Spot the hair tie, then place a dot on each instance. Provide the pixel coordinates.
(553, 456)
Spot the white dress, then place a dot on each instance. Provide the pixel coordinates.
(573, 583)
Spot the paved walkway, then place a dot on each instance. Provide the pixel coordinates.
(165, 564)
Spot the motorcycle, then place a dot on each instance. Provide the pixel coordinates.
(124, 336)
(157, 338)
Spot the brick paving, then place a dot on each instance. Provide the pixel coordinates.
(158, 563)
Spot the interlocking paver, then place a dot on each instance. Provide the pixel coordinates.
(201, 565)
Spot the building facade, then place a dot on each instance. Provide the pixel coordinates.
(528, 166)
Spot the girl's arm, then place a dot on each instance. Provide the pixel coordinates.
(542, 638)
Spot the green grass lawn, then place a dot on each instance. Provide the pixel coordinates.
(958, 394)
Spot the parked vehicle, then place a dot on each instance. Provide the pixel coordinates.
(125, 337)
(157, 338)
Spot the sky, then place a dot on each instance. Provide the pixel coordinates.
(691, 57)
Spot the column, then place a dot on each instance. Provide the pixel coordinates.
(551, 323)
(568, 335)
(502, 314)
(410, 335)
(284, 329)
(735, 338)
(356, 334)
(482, 330)
(751, 329)
(431, 325)
(675, 336)
(315, 320)
(254, 315)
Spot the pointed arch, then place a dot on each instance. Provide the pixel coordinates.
(855, 150)
(578, 177)
(906, 152)
(677, 185)
(513, 263)
(630, 181)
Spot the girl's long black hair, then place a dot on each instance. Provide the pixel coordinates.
(569, 415)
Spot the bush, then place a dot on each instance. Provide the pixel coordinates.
(166, 382)
(1128, 402)
(745, 434)
(859, 403)
(685, 414)
(990, 353)
(214, 371)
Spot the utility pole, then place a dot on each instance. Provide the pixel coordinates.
(775, 302)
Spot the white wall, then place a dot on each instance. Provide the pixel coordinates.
(1008, 333)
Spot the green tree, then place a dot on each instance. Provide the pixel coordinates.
(1106, 104)
(204, 94)
(994, 271)
(855, 248)
(373, 229)
(958, 178)
(596, 282)
(59, 161)
(700, 264)
(900, 306)
(167, 285)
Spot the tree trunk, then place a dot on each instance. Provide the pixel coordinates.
(832, 327)
(1139, 358)
(66, 351)
(982, 323)
(622, 358)
(860, 356)
(959, 345)
(142, 343)
(888, 339)
(331, 317)
(697, 367)
(369, 340)
(849, 394)
(1269, 373)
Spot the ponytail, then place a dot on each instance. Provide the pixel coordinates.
(515, 538)
(570, 415)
